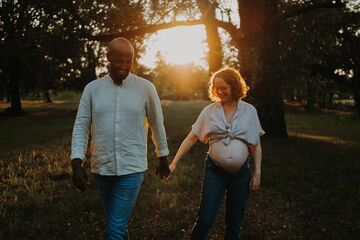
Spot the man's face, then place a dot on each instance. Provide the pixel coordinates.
(120, 63)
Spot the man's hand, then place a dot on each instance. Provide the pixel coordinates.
(79, 176)
(163, 170)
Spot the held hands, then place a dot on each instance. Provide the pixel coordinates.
(163, 170)
(172, 166)
(79, 176)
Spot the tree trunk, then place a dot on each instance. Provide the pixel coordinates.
(88, 73)
(248, 40)
(215, 55)
(8, 95)
(352, 40)
(15, 99)
(310, 95)
(356, 88)
(47, 96)
(259, 57)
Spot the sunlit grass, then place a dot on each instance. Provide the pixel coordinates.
(310, 182)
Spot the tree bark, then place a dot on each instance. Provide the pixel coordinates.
(259, 61)
(15, 99)
(215, 55)
(47, 96)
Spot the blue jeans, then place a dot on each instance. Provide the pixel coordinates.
(215, 183)
(119, 194)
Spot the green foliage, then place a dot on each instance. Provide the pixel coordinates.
(44, 44)
(314, 53)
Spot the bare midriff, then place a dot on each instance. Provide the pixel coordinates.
(230, 157)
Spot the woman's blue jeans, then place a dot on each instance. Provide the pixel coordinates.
(216, 183)
(119, 194)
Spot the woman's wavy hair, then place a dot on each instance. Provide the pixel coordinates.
(232, 77)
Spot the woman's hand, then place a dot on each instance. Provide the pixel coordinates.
(172, 166)
(255, 182)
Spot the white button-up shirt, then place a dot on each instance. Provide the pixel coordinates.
(118, 116)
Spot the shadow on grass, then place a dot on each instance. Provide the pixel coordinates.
(41, 125)
(320, 180)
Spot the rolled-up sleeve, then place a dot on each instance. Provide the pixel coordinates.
(81, 128)
(156, 122)
(201, 127)
(255, 130)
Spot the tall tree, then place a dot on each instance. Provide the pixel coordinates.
(215, 55)
(36, 34)
(257, 40)
(352, 44)
(14, 22)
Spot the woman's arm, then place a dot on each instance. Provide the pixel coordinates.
(256, 153)
(184, 148)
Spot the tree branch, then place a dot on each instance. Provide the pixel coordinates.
(330, 4)
(142, 30)
(229, 27)
(72, 10)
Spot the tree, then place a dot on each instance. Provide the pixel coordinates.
(317, 66)
(27, 29)
(352, 45)
(215, 56)
(257, 41)
(43, 46)
(14, 22)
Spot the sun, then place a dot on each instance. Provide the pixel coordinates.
(178, 45)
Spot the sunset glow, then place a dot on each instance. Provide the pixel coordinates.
(178, 45)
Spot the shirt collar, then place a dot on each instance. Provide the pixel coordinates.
(218, 104)
(125, 81)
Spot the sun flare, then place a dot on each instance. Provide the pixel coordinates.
(178, 45)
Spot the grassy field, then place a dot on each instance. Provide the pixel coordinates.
(310, 181)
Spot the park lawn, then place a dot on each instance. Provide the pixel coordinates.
(310, 181)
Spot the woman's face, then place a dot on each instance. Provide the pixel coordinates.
(223, 90)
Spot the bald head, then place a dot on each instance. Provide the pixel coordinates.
(120, 55)
(121, 46)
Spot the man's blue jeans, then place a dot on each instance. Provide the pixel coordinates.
(215, 183)
(119, 194)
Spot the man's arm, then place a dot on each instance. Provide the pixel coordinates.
(80, 139)
(158, 134)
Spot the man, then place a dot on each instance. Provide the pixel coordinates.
(117, 108)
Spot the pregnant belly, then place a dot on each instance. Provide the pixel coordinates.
(230, 157)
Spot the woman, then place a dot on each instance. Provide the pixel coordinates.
(232, 129)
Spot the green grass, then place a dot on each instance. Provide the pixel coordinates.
(310, 182)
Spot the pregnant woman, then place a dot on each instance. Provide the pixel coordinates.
(232, 129)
